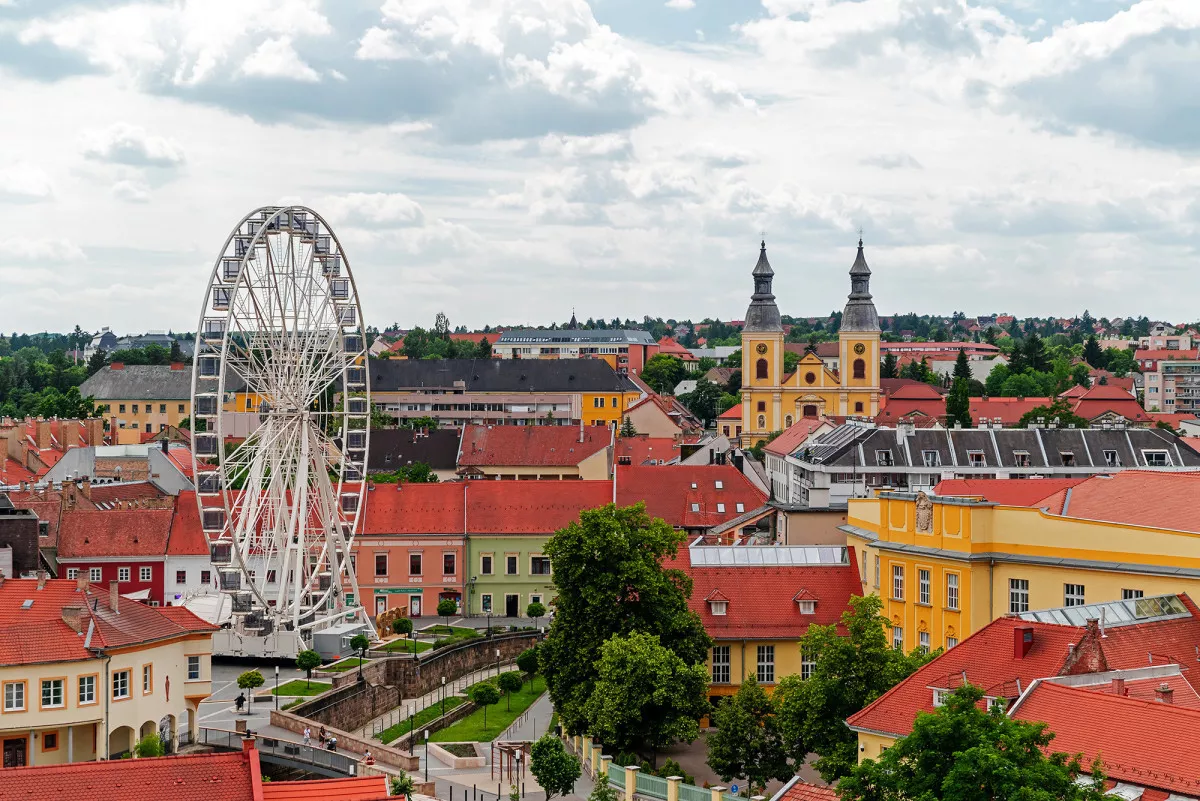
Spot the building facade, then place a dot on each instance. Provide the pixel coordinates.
(626, 352)
(140, 397)
(1174, 387)
(773, 401)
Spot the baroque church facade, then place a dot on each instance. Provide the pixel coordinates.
(772, 401)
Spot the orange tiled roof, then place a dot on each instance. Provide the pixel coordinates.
(1140, 498)
(115, 532)
(356, 788)
(530, 446)
(643, 448)
(195, 777)
(799, 790)
(795, 436)
(1007, 491)
(686, 496)
(732, 413)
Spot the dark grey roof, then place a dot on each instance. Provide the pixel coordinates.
(392, 449)
(763, 314)
(860, 314)
(498, 375)
(581, 335)
(1010, 441)
(139, 382)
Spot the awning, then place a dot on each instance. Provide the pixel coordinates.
(139, 595)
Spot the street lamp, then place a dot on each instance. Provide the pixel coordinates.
(443, 696)
(277, 688)
(497, 663)
(411, 726)
(427, 756)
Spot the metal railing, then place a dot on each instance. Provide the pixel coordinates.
(283, 749)
(616, 777)
(689, 792)
(654, 786)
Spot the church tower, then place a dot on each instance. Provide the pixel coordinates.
(858, 340)
(762, 357)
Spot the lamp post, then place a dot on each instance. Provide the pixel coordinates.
(497, 663)
(277, 688)
(410, 730)
(443, 696)
(427, 756)
(489, 617)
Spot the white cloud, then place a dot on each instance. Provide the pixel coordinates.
(277, 58)
(131, 191)
(378, 209)
(41, 250)
(123, 143)
(25, 183)
(681, 5)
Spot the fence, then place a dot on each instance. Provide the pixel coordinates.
(646, 785)
(292, 752)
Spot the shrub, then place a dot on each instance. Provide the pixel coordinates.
(149, 746)
(402, 784)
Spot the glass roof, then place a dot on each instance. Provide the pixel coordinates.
(766, 555)
(1114, 613)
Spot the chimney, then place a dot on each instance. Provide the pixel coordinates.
(1022, 641)
(82, 584)
(42, 577)
(117, 365)
(85, 487)
(1164, 694)
(1118, 686)
(176, 365)
(166, 446)
(70, 495)
(73, 617)
(43, 435)
(114, 597)
(247, 744)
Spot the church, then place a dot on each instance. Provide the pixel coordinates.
(772, 401)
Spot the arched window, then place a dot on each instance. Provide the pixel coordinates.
(762, 422)
(787, 421)
(860, 368)
(810, 410)
(760, 368)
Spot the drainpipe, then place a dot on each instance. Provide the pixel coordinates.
(467, 549)
(743, 661)
(107, 697)
(991, 589)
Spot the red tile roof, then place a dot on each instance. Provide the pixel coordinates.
(1144, 689)
(762, 603)
(187, 537)
(107, 495)
(686, 496)
(1145, 743)
(115, 532)
(1163, 354)
(1173, 420)
(803, 791)
(38, 634)
(195, 777)
(1104, 398)
(643, 448)
(1007, 491)
(795, 436)
(986, 659)
(530, 446)
(356, 788)
(1140, 498)
(670, 347)
(732, 413)
(47, 505)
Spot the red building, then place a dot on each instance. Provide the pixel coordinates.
(127, 546)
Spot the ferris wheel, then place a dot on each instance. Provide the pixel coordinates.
(281, 422)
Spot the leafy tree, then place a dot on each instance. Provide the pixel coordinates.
(610, 576)
(727, 402)
(535, 610)
(360, 643)
(888, 368)
(485, 348)
(1035, 352)
(416, 343)
(510, 682)
(149, 746)
(663, 372)
(747, 741)
(1024, 385)
(527, 662)
(734, 360)
(627, 429)
(703, 400)
(790, 361)
(96, 362)
(415, 473)
(308, 660)
(429, 423)
(402, 784)
(646, 696)
(964, 753)
(176, 352)
(251, 680)
(958, 404)
(1092, 354)
(555, 770)
(402, 625)
(1057, 408)
(850, 672)
(603, 791)
(1120, 362)
(485, 695)
(446, 609)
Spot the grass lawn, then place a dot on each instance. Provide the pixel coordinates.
(451, 630)
(301, 687)
(424, 716)
(347, 664)
(291, 704)
(407, 646)
(471, 728)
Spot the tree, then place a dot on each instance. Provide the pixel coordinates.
(850, 672)
(511, 682)
(964, 753)
(149, 746)
(527, 662)
(1035, 352)
(555, 770)
(446, 609)
(176, 352)
(441, 326)
(627, 429)
(610, 576)
(1058, 408)
(1023, 385)
(1092, 354)
(484, 695)
(96, 362)
(747, 741)
(1120, 362)
(791, 361)
(535, 610)
(888, 368)
(402, 784)
(962, 369)
(485, 348)
(703, 400)
(958, 404)
(663, 372)
(416, 343)
(308, 661)
(250, 680)
(402, 625)
(645, 695)
(603, 791)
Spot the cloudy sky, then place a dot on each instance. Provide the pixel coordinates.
(505, 160)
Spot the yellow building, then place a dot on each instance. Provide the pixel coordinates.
(945, 567)
(773, 401)
(607, 408)
(105, 672)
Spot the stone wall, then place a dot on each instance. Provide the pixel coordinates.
(383, 754)
(453, 716)
(350, 706)
(418, 676)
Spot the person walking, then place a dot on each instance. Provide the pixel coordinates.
(321, 735)
(240, 702)
(307, 736)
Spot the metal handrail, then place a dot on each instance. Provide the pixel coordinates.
(285, 749)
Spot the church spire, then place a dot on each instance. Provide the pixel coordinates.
(860, 314)
(574, 323)
(763, 314)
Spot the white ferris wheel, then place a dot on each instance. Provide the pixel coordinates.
(281, 338)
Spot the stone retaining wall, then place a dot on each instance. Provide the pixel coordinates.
(418, 676)
(383, 754)
(453, 716)
(349, 705)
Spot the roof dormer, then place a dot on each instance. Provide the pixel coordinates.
(718, 604)
(806, 602)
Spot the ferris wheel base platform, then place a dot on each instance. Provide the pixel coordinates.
(277, 645)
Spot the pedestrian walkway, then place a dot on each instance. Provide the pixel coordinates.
(411, 706)
(533, 722)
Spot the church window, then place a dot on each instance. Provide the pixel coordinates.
(760, 368)
(810, 410)
(860, 368)
(858, 407)
(810, 378)
(762, 406)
